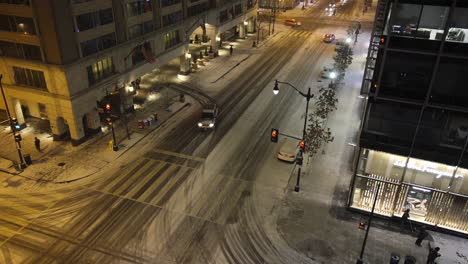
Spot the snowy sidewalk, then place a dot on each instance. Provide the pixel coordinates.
(61, 163)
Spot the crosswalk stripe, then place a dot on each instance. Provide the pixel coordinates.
(8, 232)
(168, 186)
(180, 155)
(130, 170)
(14, 219)
(21, 207)
(143, 181)
(158, 182)
(129, 181)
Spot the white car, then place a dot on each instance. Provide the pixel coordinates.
(288, 150)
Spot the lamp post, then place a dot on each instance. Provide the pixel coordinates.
(13, 128)
(308, 96)
(361, 255)
(332, 77)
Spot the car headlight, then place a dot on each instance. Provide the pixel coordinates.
(200, 124)
(211, 125)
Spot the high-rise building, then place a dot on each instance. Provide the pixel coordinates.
(413, 136)
(59, 58)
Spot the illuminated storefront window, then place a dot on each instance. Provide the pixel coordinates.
(432, 191)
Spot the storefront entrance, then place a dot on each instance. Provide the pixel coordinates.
(427, 204)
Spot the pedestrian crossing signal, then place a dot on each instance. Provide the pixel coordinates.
(362, 225)
(18, 137)
(274, 135)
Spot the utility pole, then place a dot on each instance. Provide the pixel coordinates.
(16, 137)
(360, 261)
(274, 16)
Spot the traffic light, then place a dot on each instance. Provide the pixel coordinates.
(18, 137)
(15, 124)
(108, 108)
(299, 158)
(302, 146)
(362, 225)
(274, 135)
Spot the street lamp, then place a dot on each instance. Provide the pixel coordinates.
(348, 40)
(332, 77)
(308, 96)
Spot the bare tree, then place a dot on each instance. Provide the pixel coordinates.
(326, 102)
(317, 135)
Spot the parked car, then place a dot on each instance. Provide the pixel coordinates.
(328, 38)
(288, 150)
(292, 22)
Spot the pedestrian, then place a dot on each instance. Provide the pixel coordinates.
(37, 143)
(433, 254)
(231, 49)
(422, 234)
(405, 217)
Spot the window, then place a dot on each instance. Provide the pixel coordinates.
(223, 16)
(18, 50)
(169, 2)
(138, 55)
(419, 21)
(17, 24)
(134, 31)
(30, 77)
(139, 7)
(94, 45)
(171, 39)
(148, 26)
(42, 110)
(140, 29)
(172, 18)
(197, 9)
(249, 4)
(15, 2)
(95, 19)
(238, 9)
(100, 70)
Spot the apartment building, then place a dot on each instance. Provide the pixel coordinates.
(60, 58)
(414, 130)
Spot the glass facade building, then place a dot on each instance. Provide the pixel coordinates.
(414, 130)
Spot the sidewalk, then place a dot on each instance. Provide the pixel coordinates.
(59, 162)
(316, 222)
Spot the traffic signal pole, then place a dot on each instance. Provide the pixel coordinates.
(304, 132)
(13, 129)
(308, 96)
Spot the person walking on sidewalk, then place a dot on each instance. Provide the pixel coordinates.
(433, 254)
(405, 217)
(231, 50)
(37, 143)
(422, 234)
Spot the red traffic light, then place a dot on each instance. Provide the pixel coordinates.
(274, 135)
(108, 107)
(302, 144)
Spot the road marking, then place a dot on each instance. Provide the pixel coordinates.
(157, 183)
(137, 187)
(168, 185)
(128, 171)
(127, 181)
(180, 155)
